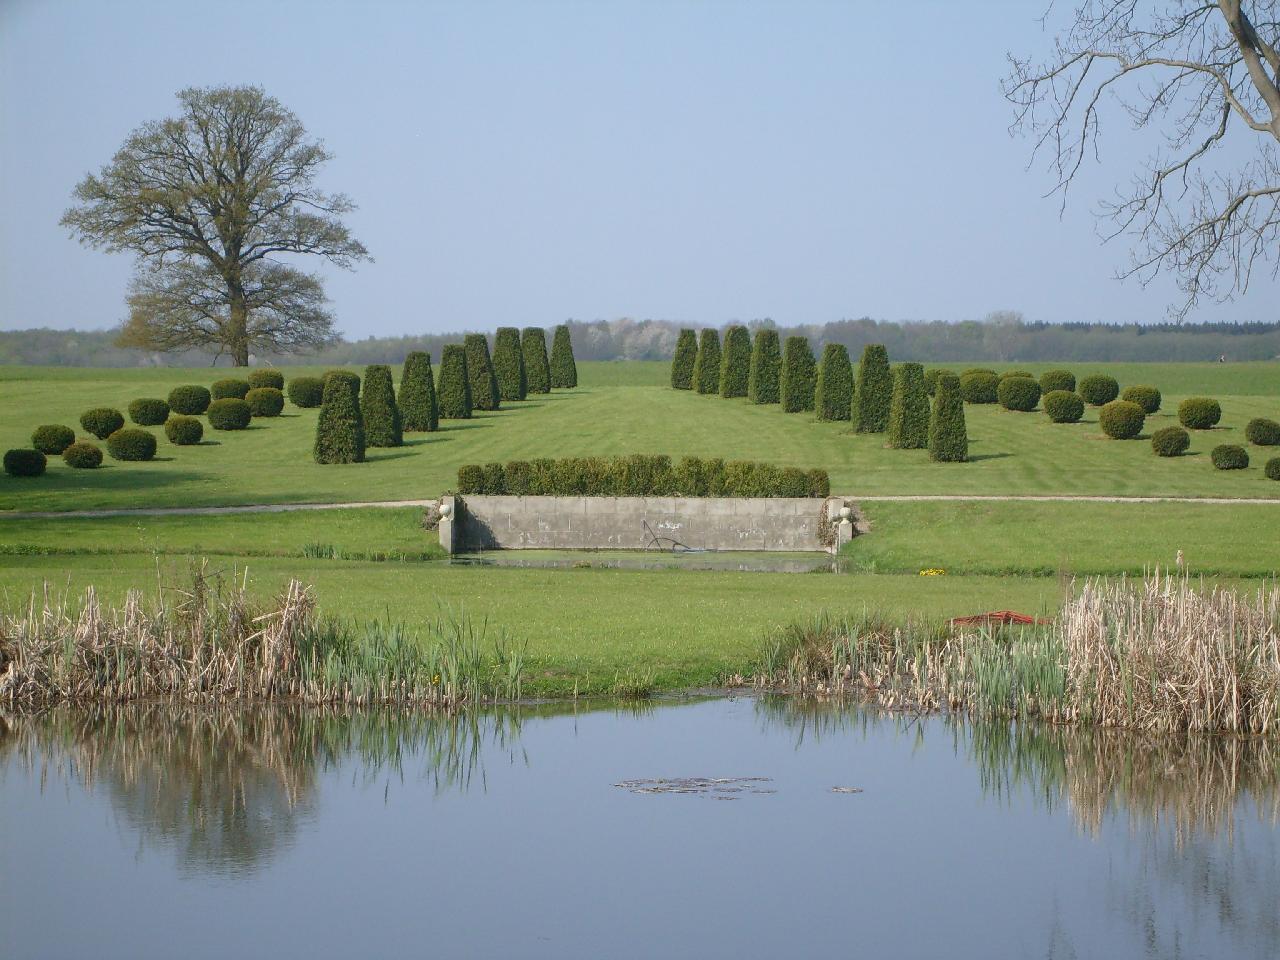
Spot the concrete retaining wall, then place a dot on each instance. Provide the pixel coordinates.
(637, 523)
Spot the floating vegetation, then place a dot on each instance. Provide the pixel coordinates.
(1159, 654)
(716, 788)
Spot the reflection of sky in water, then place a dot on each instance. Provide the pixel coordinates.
(331, 836)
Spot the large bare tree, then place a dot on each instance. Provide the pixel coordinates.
(1195, 76)
(208, 202)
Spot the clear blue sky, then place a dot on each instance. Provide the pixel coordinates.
(524, 163)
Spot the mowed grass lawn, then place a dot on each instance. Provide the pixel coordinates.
(626, 407)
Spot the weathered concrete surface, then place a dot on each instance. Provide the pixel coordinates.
(641, 523)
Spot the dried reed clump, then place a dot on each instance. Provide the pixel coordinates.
(1157, 654)
(212, 642)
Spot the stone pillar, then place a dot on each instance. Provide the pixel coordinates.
(844, 527)
(448, 515)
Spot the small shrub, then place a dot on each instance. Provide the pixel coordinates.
(184, 431)
(52, 438)
(470, 479)
(683, 359)
(1063, 406)
(799, 373)
(735, 362)
(190, 400)
(130, 443)
(819, 483)
(339, 428)
(1229, 456)
(266, 377)
(265, 401)
(909, 409)
(706, 365)
(306, 392)
(508, 365)
(1019, 393)
(980, 386)
(1170, 442)
(1005, 375)
(419, 409)
(1121, 419)
(1272, 469)
(102, 421)
(493, 479)
(833, 392)
(988, 370)
(1099, 389)
(564, 369)
(148, 411)
(1052, 380)
(484, 383)
(641, 475)
(229, 388)
(1148, 398)
(1199, 413)
(382, 426)
(873, 391)
(537, 368)
(24, 463)
(948, 438)
(519, 478)
(82, 456)
(229, 413)
(454, 395)
(766, 367)
(931, 379)
(1259, 430)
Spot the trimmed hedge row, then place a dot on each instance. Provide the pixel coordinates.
(641, 475)
(564, 368)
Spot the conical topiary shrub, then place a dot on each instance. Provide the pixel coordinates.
(533, 342)
(454, 395)
(417, 399)
(382, 427)
(564, 369)
(484, 385)
(873, 391)
(909, 408)
(833, 393)
(796, 381)
(766, 366)
(340, 428)
(683, 359)
(735, 362)
(948, 440)
(706, 365)
(508, 364)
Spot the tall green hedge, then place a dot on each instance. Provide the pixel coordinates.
(564, 369)
(454, 395)
(766, 367)
(948, 439)
(909, 408)
(683, 359)
(417, 399)
(873, 391)
(484, 385)
(833, 392)
(378, 410)
(339, 428)
(735, 362)
(536, 368)
(706, 365)
(799, 373)
(508, 364)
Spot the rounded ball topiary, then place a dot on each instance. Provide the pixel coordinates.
(184, 431)
(1063, 406)
(266, 377)
(1199, 413)
(191, 400)
(102, 421)
(148, 411)
(306, 392)
(52, 438)
(965, 373)
(82, 456)
(230, 388)
(1170, 442)
(130, 443)
(1272, 469)
(265, 401)
(1052, 380)
(1121, 419)
(1017, 373)
(1018, 393)
(1148, 398)
(980, 386)
(1263, 432)
(24, 463)
(1099, 389)
(1229, 456)
(229, 414)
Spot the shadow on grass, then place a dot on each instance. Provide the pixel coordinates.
(974, 458)
(379, 457)
(462, 425)
(52, 489)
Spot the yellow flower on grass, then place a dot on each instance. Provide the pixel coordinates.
(933, 572)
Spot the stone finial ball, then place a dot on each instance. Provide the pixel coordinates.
(845, 513)
(446, 509)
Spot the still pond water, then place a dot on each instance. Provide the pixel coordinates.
(549, 832)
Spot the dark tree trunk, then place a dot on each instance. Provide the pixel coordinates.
(238, 326)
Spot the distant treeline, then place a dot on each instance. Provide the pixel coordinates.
(1004, 339)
